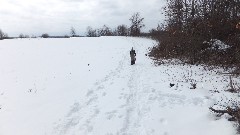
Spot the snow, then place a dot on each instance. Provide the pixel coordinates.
(86, 86)
(217, 44)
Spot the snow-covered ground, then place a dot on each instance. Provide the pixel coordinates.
(86, 86)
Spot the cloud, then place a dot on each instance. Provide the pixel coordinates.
(57, 16)
(73, 0)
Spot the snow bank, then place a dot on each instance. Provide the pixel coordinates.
(217, 44)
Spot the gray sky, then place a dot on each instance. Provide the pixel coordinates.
(56, 17)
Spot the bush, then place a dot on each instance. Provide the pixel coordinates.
(45, 35)
(21, 36)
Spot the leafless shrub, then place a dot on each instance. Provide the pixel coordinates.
(234, 87)
(45, 35)
(194, 85)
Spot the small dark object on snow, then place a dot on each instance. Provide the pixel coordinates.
(171, 84)
(215, 91)
(133, 56)
(145, 54)
(88, 64)
(194, 86)
(231, 90)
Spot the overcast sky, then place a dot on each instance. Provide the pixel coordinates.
(56, 17)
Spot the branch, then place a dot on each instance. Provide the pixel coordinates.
(218, 111)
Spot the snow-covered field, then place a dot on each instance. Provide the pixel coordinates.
(86, 86)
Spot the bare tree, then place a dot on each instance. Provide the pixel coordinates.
(91, 32)
(122, 30)
(21, 36)
(136, 24)
(3, 35)
(105, 31)
(73, 32)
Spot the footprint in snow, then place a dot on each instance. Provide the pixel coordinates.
(104, 94)
(153, 90)
(100, 87)
(163, 121)
(91, 100)
(111, 83)
(90, 92)
(165, 133)
(111, 114)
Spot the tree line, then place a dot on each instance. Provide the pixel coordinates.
(121, 30)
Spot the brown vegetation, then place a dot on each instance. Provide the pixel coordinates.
(193, 26)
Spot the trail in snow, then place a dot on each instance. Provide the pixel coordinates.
(133, 100)
(129, 111)
(90, 108)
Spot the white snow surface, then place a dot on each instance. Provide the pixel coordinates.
(86, 86)
(218, 45)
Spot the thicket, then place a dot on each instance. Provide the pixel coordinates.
(192, 29)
